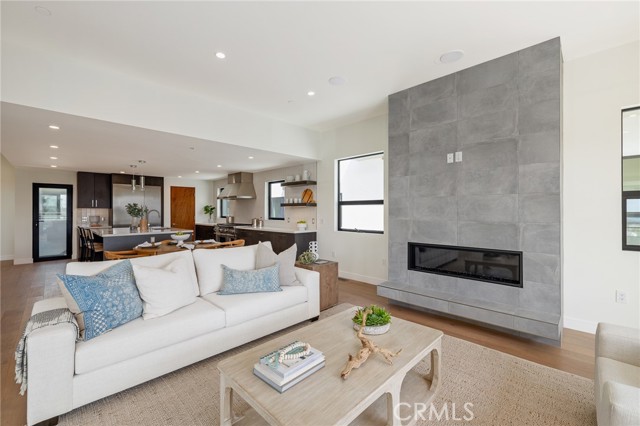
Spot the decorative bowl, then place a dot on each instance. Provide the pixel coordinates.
(373, 329)
(182, 237)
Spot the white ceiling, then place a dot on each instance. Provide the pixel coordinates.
(277, 51)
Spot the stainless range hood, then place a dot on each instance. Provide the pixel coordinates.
(239, 187)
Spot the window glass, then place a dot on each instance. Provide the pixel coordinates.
(631, 179)
(361, 193)
(275, 195)
(223, 205)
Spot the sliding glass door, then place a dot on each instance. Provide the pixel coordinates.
(52, 221)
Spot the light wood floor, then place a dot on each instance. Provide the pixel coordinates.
(23, 285)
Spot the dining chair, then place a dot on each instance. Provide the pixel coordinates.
(125, 254)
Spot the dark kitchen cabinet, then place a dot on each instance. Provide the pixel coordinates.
(94, 190)
(280, 241)
(205, 232)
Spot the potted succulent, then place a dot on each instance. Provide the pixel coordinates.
(378, 320)
(302, 225)
(307, 257)
(210, 210)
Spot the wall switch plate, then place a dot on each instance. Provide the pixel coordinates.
(621, 296)
(450, 158)
(459, 157)
(313, 220)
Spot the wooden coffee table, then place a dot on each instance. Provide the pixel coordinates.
(367, 397)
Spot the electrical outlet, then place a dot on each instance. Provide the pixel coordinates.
(459, 157)
(313, 220)
(288, 220)
(450, 158)
(621, 296)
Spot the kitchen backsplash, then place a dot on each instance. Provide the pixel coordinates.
(83, 216)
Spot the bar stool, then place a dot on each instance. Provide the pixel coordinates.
(83, 248)
(94, 248)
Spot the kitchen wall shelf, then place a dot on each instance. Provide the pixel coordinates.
(299, 183)
(299, 204)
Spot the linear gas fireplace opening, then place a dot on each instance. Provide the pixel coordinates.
(490, 265)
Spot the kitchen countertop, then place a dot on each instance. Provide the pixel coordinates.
(123, 232)
(270, 229)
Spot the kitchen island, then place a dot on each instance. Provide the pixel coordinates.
(126, 239)
(281, 238)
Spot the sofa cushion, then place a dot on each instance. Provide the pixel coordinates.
(240, 308)
(163, 290)
(139, 337)
(265, 256)
(209, 265)
(103, 301)
(252, 281)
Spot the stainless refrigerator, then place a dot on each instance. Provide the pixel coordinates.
(150, 197)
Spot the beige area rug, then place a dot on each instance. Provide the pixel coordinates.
(504, 390)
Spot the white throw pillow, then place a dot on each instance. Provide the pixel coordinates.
(266, 257)
(164, 290)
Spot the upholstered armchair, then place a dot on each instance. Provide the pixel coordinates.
(617, 381)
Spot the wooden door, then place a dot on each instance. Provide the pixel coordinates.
(183, 207)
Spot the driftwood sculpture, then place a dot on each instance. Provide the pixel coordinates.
(368, 348)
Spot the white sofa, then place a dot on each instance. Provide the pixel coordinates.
(64, 374)
(617, 381)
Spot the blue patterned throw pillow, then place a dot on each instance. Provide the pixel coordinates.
(104, 301)
(253, 281)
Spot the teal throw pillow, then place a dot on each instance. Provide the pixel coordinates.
(104, 301)
(252, 281)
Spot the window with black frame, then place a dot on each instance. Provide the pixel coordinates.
(361, 193)
(275, 197)
(223, 205)
(631, 179)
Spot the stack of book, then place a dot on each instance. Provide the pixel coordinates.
(288, 373)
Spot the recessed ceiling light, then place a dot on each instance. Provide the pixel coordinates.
(197, 171)
(42, 11)
(54, 166)
(219, 165)
(180, 176)
(452, 56)
(122, 171)
(54, 146)
(251, 157)
(220, 55)
(53, 158)
(337, 80)
(311, 93)
(54, 127)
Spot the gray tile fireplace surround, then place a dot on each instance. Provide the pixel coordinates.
(505, 117)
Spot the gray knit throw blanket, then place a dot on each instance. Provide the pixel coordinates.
(42, 319)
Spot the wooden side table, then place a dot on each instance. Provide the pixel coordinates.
(328, 282)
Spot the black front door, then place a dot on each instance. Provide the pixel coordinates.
(52, 221)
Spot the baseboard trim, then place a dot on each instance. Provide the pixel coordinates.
(6, 257)
(363, 278)
(580, 325)
(23, 261)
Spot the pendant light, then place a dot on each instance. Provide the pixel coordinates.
(141, 162)
(133, 177)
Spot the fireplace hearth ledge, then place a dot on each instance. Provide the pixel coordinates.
(531, 323)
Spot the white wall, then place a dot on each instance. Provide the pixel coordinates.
(7, 209)
(204, 196)
(25, 177)
(596, 88)
(245, 210)
(361, 257)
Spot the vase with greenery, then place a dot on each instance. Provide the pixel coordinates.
(136, 212)
(210, 210)
(302, 225)
(378, 320)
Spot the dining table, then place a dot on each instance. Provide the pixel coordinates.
(170, 246)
